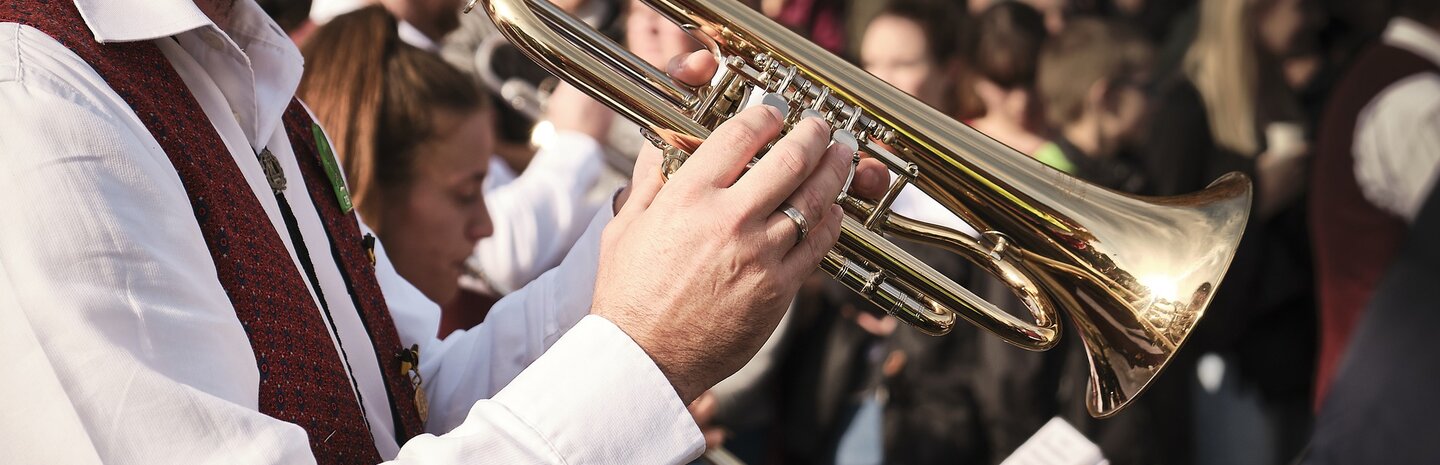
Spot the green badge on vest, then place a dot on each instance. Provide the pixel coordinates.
(332, 169)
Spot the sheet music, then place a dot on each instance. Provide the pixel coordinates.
(1057, 443)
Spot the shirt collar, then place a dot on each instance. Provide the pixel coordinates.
(137, 20)
(412, 35)
(1414, 37)
(261, 66)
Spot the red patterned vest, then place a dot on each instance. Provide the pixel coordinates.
(1354, 241)
(303, 379)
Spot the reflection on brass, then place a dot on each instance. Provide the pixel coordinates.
(1132, 274)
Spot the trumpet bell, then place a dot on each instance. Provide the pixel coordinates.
(1132, 274)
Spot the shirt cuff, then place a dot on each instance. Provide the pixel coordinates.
(597, 397)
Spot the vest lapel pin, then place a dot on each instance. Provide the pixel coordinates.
(332, 169)
(410, 368)
(368, 242)
(273, 172)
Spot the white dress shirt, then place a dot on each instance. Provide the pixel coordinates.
(412, 35)
(1397, 135)
(538, 214)
(123, 347)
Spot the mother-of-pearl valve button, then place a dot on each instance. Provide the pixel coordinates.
(767, 98)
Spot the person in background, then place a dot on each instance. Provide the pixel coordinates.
(538, 214)
(1291, 31)
(859, 386)
(1055, 12)
(413, 135)
(1155, 19)
(541, 206)
(541, 211)
(924, 384)
(518, 85)
(1374, 228)
(913, 45)
(414, 149)
(652, 37)
(1229, 109)
(1378, 155)
(1244, 104)
(422, 23)
(1378, 261)
(1092, 78)
(821, 21)
(293, 16)
(1003, 48)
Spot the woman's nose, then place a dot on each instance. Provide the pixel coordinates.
(481, 226)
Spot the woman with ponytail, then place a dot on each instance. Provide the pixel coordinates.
(413, 135)
(416, 137)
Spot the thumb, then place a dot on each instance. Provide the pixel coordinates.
(645, 182)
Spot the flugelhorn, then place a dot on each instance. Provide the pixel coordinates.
(1133, 274)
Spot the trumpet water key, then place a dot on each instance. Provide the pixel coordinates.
(1132, 274)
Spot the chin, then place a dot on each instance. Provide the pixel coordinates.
(442, 296)
(441, 290)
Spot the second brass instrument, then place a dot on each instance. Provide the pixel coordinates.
(1132, 274)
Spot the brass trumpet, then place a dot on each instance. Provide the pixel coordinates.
(1133, 274)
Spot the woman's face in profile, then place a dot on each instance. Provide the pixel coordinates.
(654, 38)
(432, 226)
(894, 49)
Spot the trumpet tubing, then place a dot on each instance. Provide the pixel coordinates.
(1132, 274)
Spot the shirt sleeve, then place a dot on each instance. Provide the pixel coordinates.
(474, 364)
(109, 301)
(595, 397)
(540, 381)
(539, 214)
(1397, 145)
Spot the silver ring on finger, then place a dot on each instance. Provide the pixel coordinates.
(801, 224)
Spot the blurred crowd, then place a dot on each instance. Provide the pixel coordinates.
(478, 171)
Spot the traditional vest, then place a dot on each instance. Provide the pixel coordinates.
(1381, 404)
(303, 380)
(1354, 241)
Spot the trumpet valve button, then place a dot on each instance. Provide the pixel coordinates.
(846, 138)
(767, 98)
(810, 113)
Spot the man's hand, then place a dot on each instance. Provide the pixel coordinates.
(699, 270)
